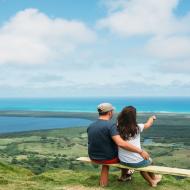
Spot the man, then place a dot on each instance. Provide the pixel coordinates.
(103, 140)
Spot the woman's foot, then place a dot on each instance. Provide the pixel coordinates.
(158, 178)
(156, 181)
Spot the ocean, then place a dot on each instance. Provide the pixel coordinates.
(17, 124)
(143, 104)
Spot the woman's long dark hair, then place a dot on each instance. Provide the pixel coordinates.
(127, 124)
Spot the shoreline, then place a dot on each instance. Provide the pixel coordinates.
(74, 114)
(162, 118)
(165, 121)
(49, 114)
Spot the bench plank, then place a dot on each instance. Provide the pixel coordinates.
(154, 169)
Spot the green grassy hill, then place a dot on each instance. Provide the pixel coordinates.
(17, 178)
(46, 160)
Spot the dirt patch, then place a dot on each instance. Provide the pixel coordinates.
(78, 187)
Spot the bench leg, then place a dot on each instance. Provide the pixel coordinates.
(104, 176)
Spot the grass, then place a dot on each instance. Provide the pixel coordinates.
(177, 158)
(14, 178)
(48, 148)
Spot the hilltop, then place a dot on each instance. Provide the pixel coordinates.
(14, 178)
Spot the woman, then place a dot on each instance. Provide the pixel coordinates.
(129, 130)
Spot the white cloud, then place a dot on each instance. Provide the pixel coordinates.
(113, 6)
(167, 35)
(111, 66)
(142, 17)
(118, 81)
(32, 37)
(176, 67)
(173, 47)
(124, 88)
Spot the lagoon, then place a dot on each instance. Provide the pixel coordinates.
(18, 124)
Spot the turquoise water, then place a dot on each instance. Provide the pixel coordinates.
(147, 104)
(16, 124)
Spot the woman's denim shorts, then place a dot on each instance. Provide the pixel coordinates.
(141, 164)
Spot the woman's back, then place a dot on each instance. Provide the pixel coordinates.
(128, 156)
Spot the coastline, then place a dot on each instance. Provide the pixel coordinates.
(164, 120)
(83, 115)
(172, 119)
(53, 114)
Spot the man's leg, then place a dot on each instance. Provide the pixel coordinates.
(104, 176)
(124, 172)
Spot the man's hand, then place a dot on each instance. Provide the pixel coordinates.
(144, 154)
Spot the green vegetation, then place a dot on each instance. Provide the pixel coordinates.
(43, 150)
(47, 159)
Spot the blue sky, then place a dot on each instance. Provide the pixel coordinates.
(85, 10)
(74, 48)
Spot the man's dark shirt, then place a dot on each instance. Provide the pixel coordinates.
(100, 143)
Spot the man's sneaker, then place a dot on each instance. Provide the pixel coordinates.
(125, 178)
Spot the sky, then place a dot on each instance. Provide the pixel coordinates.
(87, 48)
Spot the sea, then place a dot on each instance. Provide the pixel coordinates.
(82, 104)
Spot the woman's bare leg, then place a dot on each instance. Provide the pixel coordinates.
(152, 175)
(148, 178)
(155, 177)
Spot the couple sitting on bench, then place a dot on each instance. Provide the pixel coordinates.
(110, 143)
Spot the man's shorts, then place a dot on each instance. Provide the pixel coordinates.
(112, 161)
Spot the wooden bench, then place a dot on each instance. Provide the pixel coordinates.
(154, 169)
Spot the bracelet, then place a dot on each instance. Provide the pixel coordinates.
(141, 151)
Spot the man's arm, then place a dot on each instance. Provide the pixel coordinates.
(125, 145)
